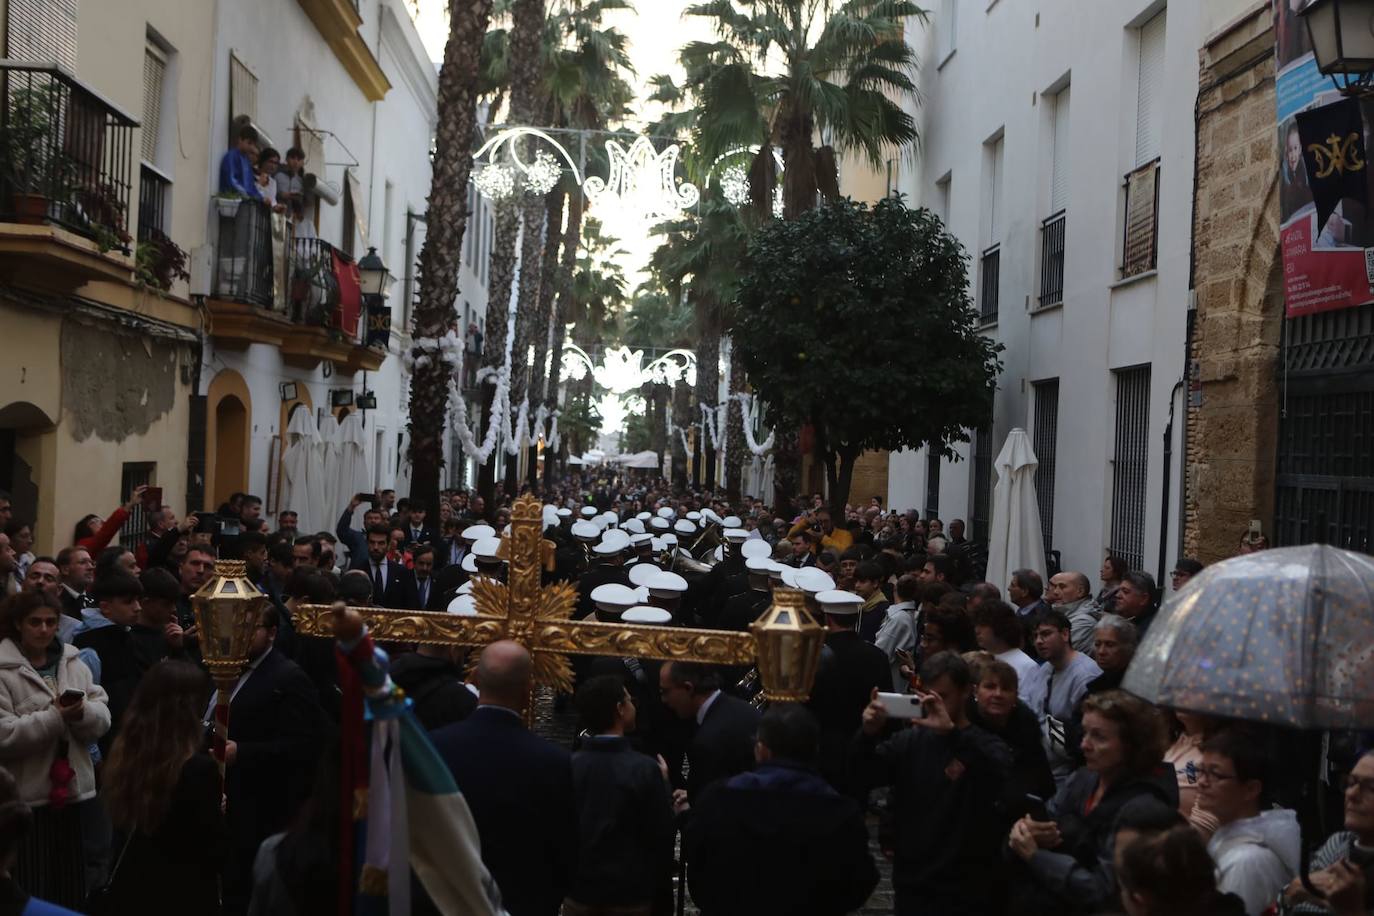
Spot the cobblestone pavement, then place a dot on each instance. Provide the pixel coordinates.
(560, 726)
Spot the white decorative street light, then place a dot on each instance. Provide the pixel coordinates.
(643, 182)
(623, 369)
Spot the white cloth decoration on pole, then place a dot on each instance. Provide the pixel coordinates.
(1015, 540)
(302, 481)
(327, 465)
(750, 410)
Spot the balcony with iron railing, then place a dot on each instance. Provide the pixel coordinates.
(301, 295)
(1052, 259)
(66, 178)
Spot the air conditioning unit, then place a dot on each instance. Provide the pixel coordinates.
(202, 269)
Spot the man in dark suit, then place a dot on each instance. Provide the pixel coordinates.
(723, 743)
(355, 541)
(417, 532)
(78, 571)
(519, 787)
(275, 729)
(779, 839)
(420, 593)
(389, 580)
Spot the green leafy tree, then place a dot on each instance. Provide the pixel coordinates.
(858, 322)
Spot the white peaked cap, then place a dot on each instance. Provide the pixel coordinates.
(614, 536)
(669, 539)
(486, 549)
(693, 515)
(474, 533)
(660, 524)
(587, 531)
(463, 606)
(589, 511)
(814, 580)
(641, 573)
(720, 553)
(839, 603)
(667, 512)
(789, 577)
(666, 585)
(736, 535)
(469, 563)
(641, 595)
(465, 587)
(758, 565)
(550, 515)
(644, 516)
(634, 526)
(656, 616)
(685, 527)
(607, 549)
(775, 571)
(639, 540)
(614, 595)
(564, 512)
(756, 547)
(610, 517)
(656, 544)
(731, 521)
(710, 515)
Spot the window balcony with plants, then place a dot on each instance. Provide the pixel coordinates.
(66, 167)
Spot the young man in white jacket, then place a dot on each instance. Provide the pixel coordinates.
(1256, 850)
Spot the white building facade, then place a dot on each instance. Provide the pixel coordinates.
(1058, 146)
(352, 85)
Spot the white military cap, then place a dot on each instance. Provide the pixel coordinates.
(550, 515)
(710, 515)
(641, 573)
(616, 537)
(641, 595)
(641, 540)
(839, 603)
(759, 566)
(656, 616)
(736, 535)
(589, 511)
(666, 585)
(775, 571)
(659, 524)
(564, 512)
(669, 539)
(474, 533)
(607, 549)
(693, 515)
(614, 597)
(586, 531)
(732, 521)
(465, 587)
(814, 580)
(610, 517)
(685, 527)
(667, 512)
(644, 516)
(789, 577)
(634, 526)
(486, 549)
(469, 563)
(463, 606)
(756, 547)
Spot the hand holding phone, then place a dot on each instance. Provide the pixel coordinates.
(71, 696)
(902, 705)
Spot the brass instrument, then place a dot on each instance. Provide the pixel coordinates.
(749, 686)
(684, 562)
(706, 542)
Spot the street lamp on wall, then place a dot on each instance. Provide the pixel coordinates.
(1342, 34)
(374, 277)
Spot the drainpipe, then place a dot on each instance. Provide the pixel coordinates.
(1168, 475)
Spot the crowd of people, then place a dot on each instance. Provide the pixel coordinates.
(981, 725)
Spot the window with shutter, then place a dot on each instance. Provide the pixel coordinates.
(942, 198)
(995, 193)
(1059, 177)
(243, 93)
(948, 27)
(1149, 91)
(42, 30)
(154, 73)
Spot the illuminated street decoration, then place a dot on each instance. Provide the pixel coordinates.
(623, 369)
(643, 181)
(501, 170)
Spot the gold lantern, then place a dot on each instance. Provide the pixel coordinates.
(228, 609)
(789, 644)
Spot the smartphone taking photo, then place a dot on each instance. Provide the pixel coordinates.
(902, 705)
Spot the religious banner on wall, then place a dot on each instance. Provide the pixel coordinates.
(1142, 206)
(1327, 230)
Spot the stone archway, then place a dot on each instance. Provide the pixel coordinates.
(228, 437)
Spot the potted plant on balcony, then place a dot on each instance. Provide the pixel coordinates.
(102, 209)
(159, 262)
(34, 165)
(227, 202)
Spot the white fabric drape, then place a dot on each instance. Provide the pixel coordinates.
(1015, 540)
(327, 456)
(302, 479)
(352, 473)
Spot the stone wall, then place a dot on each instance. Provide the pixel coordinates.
(1233, 414)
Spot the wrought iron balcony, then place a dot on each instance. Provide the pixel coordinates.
(66, 154)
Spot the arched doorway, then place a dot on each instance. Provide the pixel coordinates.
(231, 449)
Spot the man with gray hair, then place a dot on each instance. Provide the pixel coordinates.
(1070, 593)
(1136, 600)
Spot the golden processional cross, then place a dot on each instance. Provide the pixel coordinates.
(785, 642)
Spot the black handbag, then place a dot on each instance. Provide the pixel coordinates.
(100, 901)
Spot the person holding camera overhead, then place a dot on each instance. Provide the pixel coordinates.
(51, 711)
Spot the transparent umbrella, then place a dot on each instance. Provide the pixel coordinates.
(1283, 636)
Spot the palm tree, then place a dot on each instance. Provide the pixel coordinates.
(447, 221)
(657, 320)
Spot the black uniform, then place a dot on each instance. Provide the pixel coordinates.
(598, 575)
(743, 609)
(849, 670)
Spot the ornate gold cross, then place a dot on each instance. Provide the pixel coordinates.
(785, 641)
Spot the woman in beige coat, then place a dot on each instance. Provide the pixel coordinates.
(51, 711)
